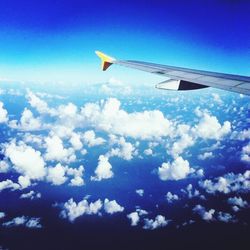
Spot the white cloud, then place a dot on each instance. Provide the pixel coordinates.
(75, 141)
(228, 183)
(40, 105)
(225, 217)
(134, 218)
(27, 122)
(210, 128)
(103, 170)
(72, 210)
(178, 169)
(3, 114)
(24, 181)
(237, 203)
(171, 197)
(241, 135)
(55, 150)
(206, 155)
(77, 173)
(192, 192)
(4, 166)
(26, 160)
(205, 215)
(2, 215)
(31, 195)
(8, 184)
(245, 153)
(125, 150)
(216, 98)
(91, 140)
(148, 151)
(111, 207)
(33, 223)
(23, 221)
(160, 221)
(108, 116)
(56, 175)
(179, 146)
(140, 192)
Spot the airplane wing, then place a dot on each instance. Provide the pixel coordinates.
(184, 78)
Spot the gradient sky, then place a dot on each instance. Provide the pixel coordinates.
(55, 40)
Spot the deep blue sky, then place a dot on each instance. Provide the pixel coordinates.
(56, 40)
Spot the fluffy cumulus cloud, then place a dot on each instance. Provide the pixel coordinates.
(159, 221)
(75, 141)
(178, 169)
(55, 150)
(109, 116)
(27, 122)
(26, 160)
(103, 170)
(77, 174)
(225, 217)
(56, 175)
(210, 128)
(72, 210)
(112, 207)
(237, 203)
(124, 150)
(23, 221)
(228, 183)
(89, 138)
(140, 192)
(134, 218)
(180, 145)
(245, 153)
(31, 195)
(191, 192)
(205, 215)
(2, 215)
(40, 105)
(4, 166)
(206, 155)
(171, 197)
(24, 181)
(8, 184)
(3, 114)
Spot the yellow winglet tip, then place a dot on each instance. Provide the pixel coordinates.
(106, 60)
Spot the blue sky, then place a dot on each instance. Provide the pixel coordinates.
(45, 41)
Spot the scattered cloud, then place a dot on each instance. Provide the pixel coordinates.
(159, 221)
(140, 192)
(205, 215)
(72, 210)
(31, 195)
(171, 197)
(228, 183)
(3, 114)
(103, 170)
(245, 153)
(56, 175)
(112, 207)
(8, 184)
(25, 159)
(178, 169)
(23, 221)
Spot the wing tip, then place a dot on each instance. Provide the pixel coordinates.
(106, 60)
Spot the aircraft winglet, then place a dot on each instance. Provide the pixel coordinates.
(106, 60)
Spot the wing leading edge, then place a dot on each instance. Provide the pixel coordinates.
(184, 78)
